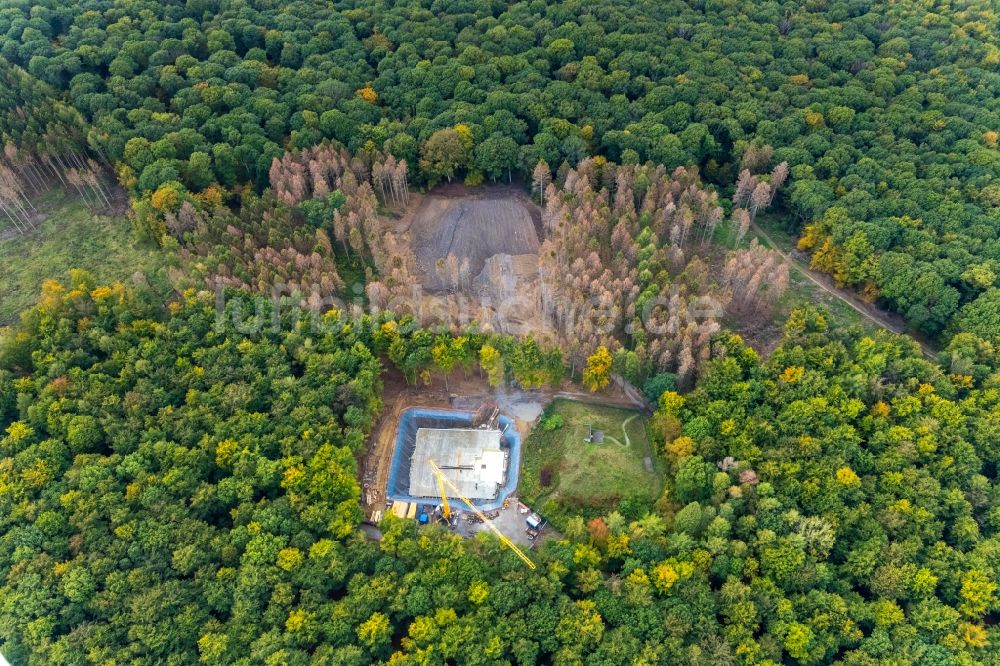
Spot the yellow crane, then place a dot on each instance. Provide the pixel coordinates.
(445, 509)
(442, 481)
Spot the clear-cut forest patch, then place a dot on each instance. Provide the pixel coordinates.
(472, 228)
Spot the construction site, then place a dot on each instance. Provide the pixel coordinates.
(458, 468)
(451, 452)
(478, 453)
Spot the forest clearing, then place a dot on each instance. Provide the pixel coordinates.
(475, 251)
(471, 225)
(564, 474)
(70, 235)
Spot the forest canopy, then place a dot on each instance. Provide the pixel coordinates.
(174, 491)
(179, 482)
(886, 114)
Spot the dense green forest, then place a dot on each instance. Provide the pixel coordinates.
(885, 113)
(174, 491)
(179, 483)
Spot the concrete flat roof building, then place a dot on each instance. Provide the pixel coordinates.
(470, 458)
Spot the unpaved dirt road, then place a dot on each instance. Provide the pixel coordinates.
(866, 310)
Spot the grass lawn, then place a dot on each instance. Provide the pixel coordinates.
(584, 478)
(70, 237)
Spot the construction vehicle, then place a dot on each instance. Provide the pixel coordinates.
(445, 481)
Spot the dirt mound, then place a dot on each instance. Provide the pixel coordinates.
(503, 274)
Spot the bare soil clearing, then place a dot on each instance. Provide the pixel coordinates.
(473, 226)
(493, 234)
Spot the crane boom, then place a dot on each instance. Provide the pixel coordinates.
(442, 480)
(445, 509)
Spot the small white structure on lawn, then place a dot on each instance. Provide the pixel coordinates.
(470, 458)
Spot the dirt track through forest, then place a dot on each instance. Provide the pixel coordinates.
(866, 310)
